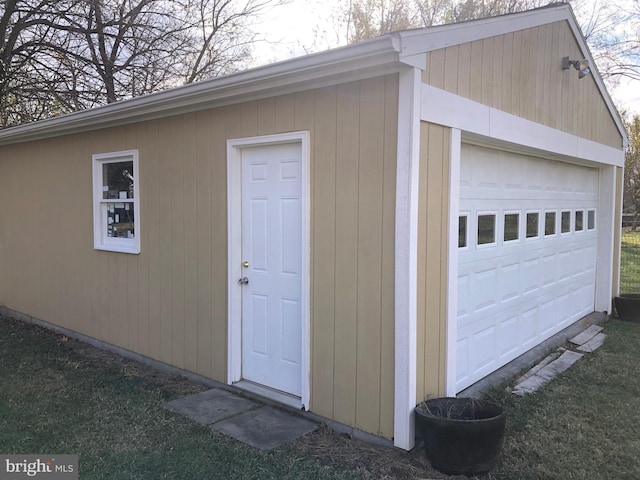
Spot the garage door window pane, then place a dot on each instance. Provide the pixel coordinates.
(486, 229)
(565, 222)
(511, 226)
(579, 220)
(462, 231)
(591, 219)
(532, 224)
(550, 223)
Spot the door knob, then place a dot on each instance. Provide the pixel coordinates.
(245, 264)
(243, 281)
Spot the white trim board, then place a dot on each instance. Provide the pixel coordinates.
(234, 234)
(455, 149)
(406, 258)
(445, 108)
(442, 36)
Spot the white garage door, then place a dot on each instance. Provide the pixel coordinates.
(527, 255)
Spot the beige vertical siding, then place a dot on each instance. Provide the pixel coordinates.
(521, 73)
(169, 302)
(433, 227)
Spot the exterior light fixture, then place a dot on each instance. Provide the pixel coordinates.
(582, 66)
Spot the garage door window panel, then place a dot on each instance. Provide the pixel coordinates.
(486, 229)
(565, 222)
(591, 220)
(533, 224)
(463, 224)
(549, 224)
(579, 220)
(511, 227)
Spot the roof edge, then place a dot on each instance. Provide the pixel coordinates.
(361, 60)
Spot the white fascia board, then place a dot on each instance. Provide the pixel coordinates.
(370, 58)
(586, 53)
(442, 36)
(448, 109)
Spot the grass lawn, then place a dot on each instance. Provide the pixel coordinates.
(62, 396)
(630, 263)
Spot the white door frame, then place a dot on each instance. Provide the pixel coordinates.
(234, 253)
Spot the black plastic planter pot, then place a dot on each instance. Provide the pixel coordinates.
(462, 436)
(627, 307)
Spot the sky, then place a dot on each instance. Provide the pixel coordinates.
(305, 26)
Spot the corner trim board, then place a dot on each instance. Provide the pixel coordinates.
(406, 255)
(455, 148)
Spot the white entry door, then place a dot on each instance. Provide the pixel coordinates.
(272, 266)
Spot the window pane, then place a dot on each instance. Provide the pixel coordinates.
(511, 221)
(579, 220)
(565, 222)
(532, 224)
(591, 219)
(462, 231)
(117, 180)
(120, 220)
(486, 229)
(550, 223)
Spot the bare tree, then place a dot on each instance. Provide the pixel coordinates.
(29, 73)
(58, 56)
(220, 36)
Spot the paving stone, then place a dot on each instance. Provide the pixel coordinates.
(546, 374)
(586, 335)
(211, 406)
(593, 344)
(265, 428)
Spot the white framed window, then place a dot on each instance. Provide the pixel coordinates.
(116, 202)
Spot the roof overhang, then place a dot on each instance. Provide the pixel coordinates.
(386, 54)
(366, 59)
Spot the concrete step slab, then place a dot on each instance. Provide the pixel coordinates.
(265, 428)
(593, 344)
(211, 406)
(546, 374)
(586, 335)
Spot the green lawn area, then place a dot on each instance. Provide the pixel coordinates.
(630, 263)
(62, 396)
